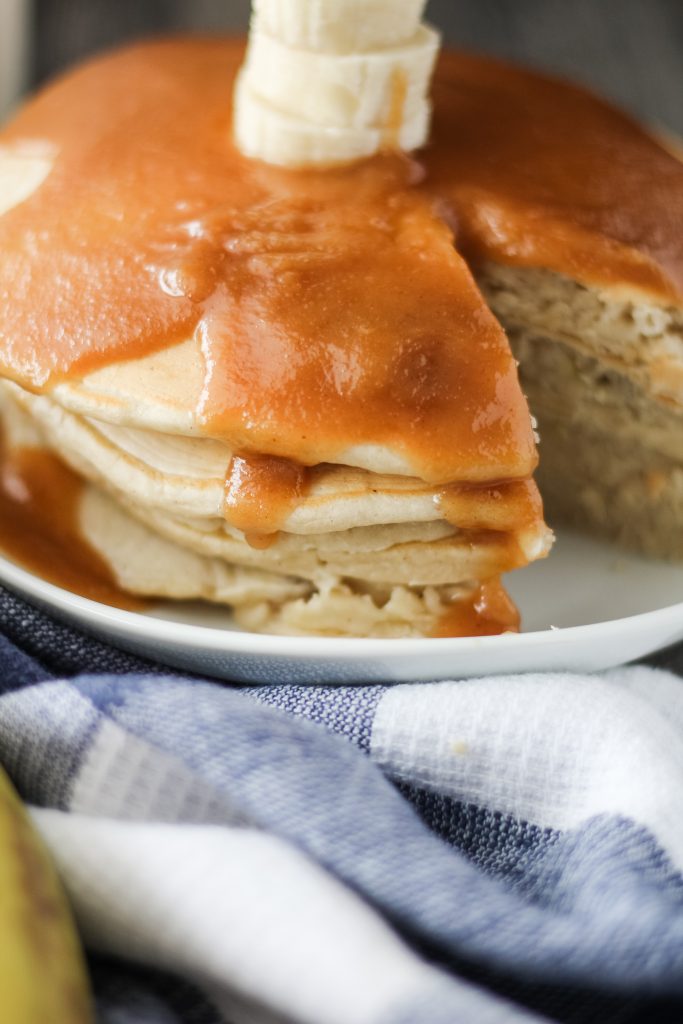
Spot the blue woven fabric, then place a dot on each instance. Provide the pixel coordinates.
(533, 869)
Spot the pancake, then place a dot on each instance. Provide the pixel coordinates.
(276, 284)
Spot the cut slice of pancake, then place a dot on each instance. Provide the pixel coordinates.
(578, 249)
(606, 385)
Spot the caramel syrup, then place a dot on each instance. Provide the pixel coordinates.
(260, 492)
(39, 529)
(509, 505)
(331, 307)
(487, 612)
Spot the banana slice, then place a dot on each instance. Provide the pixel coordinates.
(339, 26)
(265, 133)
(358, 90)
(332, 81)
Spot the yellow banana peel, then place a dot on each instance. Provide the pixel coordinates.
(43, 978)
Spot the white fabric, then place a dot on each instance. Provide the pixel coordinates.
(609, 744)
(262, 911)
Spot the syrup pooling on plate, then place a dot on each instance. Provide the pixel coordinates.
(488, 611)
(39, 526)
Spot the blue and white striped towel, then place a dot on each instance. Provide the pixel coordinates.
(496, 850)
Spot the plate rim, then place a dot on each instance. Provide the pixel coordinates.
(174, 633)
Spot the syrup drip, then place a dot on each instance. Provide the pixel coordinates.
(39, 528)
(399, 89)
(487, 612)
(260, 493)
(502, 507)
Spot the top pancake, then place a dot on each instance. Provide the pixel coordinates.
(157, 279)
(331, 310)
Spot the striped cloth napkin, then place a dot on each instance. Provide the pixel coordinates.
(492, 850)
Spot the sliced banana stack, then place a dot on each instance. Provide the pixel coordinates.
(331, 81)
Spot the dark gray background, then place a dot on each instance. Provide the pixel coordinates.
(631, 50)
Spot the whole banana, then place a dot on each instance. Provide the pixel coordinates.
(42, 972)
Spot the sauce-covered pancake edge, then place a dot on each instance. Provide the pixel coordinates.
(40, 529)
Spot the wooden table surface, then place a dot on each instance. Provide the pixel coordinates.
(631, 50)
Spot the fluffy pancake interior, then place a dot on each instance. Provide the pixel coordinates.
(603, 371)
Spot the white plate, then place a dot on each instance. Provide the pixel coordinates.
(586, 607)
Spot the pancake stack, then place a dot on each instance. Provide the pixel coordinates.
(283, 390)
(290, 391)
